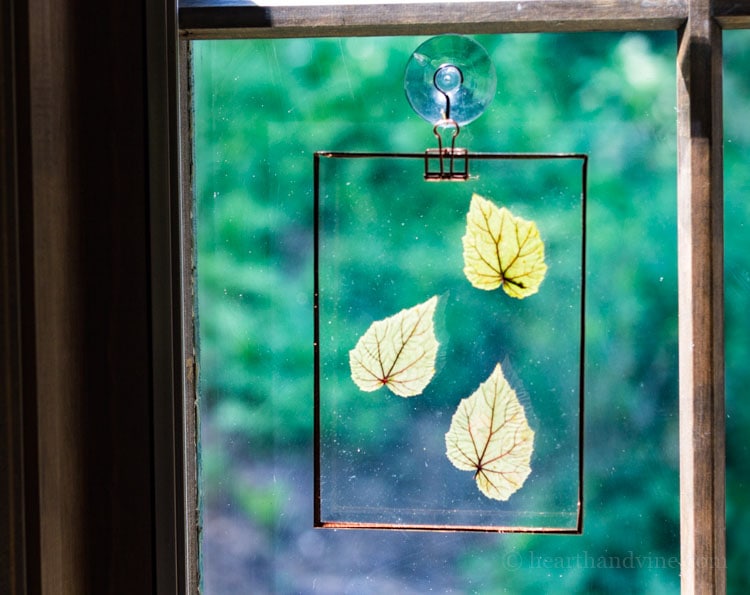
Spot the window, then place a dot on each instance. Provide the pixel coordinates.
(701, 381)
(254, 201)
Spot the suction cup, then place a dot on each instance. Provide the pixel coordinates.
(450, 77)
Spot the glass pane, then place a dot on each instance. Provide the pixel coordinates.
(425, 290)
(737, 282)
(262, 108)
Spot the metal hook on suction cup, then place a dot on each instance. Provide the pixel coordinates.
(447, 79)
(452, 163)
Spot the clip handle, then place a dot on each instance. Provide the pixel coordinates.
(456, 169)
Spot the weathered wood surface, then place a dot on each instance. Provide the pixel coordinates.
(732, 14)
(237, 19)
(701, 303)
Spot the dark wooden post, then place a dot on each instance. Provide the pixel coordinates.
(75, 315)
(701, 303)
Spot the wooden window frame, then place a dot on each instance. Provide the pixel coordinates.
(699, 24)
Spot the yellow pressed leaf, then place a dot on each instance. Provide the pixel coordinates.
(502, 249)
(398, 352)
(490, 435)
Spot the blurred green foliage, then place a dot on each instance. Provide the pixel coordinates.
(737, 288)
(263, 107)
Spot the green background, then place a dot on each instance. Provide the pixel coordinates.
(261, 108)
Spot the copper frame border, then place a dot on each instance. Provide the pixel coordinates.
(317, 520)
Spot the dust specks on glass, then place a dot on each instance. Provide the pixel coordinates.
(467, 315)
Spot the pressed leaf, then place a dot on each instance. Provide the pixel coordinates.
(490, 435)
(398, 352)
(501, 249)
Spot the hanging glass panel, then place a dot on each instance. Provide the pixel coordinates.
(449, 326)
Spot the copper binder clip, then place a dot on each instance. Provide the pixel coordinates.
(446, 163)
